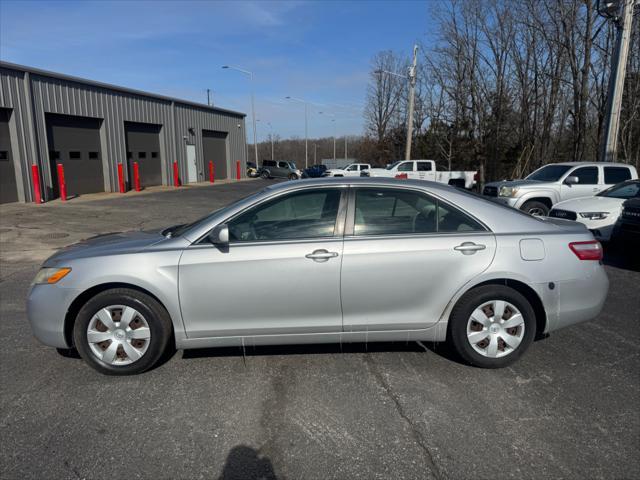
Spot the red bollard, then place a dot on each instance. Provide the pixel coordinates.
(211, 176)
(37, 195)
(61, 183)
(120, 178)
(238, 169)
(176, 178)
(402, 176)
(136, 176)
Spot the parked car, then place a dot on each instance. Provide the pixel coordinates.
(351, 170)
(279, 169)
(600, 212)
(484, 277)
(252, 170)
(424, 170)
(314, 171)
(556, 182)
(626, 233)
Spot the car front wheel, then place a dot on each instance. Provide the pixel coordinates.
(492, 326)
(537, 209)
(122, 332)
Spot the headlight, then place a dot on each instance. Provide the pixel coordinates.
(51, 275)
(594, 215)
(508, 191)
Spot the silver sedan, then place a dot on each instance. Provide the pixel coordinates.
(371, 260)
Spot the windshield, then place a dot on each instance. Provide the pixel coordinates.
(293, 165)
(178, 230)
(622, 190)
(549, 173)
(390, 167)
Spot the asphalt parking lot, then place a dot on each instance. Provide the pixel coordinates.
(569, 409)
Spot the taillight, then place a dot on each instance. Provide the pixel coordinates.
(476, 177)
(591, 250)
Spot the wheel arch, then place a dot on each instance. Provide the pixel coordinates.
(521, 287)
(85, 296)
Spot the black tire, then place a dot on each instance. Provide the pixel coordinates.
(462, 312)
(293, 176)
(533, 207)
(265, 175)
(156, 316)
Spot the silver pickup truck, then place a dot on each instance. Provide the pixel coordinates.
(556, 182)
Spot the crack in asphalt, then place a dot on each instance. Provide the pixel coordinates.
(415, 432)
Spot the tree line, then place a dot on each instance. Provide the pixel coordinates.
(506, 85)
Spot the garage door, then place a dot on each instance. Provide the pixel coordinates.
(214, 145)
(143, 146)
(75, 143)
(8, 189)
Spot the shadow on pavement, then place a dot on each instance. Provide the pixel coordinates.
(246, 463)
(310, 349)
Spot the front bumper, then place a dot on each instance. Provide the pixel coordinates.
(47, 306)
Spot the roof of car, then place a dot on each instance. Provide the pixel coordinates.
(357, 181)
(617, 164)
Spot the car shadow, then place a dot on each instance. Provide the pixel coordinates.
(303, 349)
(246, 463)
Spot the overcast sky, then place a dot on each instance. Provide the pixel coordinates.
(319, 51)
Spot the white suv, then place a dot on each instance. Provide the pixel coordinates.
(556, 182)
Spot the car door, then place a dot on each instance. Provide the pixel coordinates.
(405, 255)
(279, 275)
(405, 168)
(587, 186)
(351, 171)
(424, 171)
(282, 169)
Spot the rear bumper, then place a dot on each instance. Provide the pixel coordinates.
(581, 299)
(47, 307)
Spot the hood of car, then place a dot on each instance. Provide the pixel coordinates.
(590, 204)
(107, 244)
(515, 183)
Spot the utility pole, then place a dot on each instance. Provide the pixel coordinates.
(253, 107)
(623, 21)
(412, 93)
(315, 153)
(345, 147)
(208, 100)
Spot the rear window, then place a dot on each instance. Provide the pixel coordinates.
(268, 163)
(613, 175)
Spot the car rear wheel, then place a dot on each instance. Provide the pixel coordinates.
(537, 209)
(265, 175)
(492, 326)
(122, 332)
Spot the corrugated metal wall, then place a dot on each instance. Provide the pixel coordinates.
(33, 95)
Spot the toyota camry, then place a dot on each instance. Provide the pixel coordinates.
(454, 267)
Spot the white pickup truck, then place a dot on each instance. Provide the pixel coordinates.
(351, 170)
(424, 170)
(556, 182)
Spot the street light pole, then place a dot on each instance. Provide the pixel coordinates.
(306, 128)
(412, 89)
(271, 135)
(333, 119)
(412, 94)
(609, 143)
(253, 107)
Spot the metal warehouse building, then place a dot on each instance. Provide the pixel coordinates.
(89, 127)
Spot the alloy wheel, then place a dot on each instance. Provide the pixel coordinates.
(495, 329)
(118, 335)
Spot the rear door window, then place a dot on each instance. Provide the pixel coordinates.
(613, 175)
(399, 212)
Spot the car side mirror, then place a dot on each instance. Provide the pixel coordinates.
(220, 235)
(572, 180)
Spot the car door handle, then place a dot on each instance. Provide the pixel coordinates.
(321, 255)
(469, 248)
